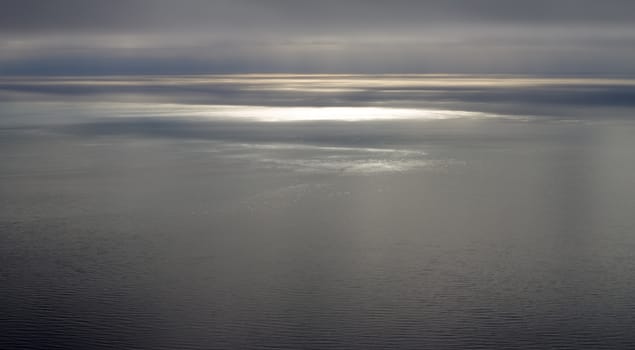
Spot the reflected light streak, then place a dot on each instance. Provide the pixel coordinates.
(290, 114)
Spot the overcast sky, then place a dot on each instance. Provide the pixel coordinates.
(71, 37)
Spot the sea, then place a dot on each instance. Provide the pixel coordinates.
(286, 211)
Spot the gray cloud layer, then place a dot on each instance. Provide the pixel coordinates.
(326, 15)
(170, 37)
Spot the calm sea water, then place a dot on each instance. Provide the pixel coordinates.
(466, 233)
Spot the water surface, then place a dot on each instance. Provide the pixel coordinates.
(445, 213)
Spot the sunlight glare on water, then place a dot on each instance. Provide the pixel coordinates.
(284, 114)
(291, 114)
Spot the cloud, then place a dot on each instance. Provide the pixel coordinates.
(70, 37)
(303, 15)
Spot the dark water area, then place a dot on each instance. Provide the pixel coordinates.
(490, 233)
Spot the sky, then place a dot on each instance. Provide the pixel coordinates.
(137, 37)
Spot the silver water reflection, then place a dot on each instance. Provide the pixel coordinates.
(142, 232)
